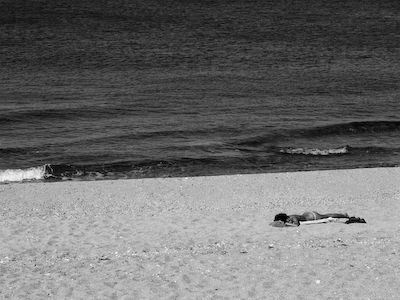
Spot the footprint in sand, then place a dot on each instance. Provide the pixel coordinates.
(186, 279)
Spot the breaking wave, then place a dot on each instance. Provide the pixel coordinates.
(315, 151)
(17, 175)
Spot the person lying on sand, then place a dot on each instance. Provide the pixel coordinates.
(312, 217)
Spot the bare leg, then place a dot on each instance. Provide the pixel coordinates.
(313, 215)
(333, 215)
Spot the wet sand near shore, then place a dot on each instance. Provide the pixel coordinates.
(201, 238)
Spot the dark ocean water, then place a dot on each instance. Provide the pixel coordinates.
(130, 89)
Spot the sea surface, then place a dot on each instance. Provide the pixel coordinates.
(130, 89)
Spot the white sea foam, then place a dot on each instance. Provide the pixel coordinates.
(306, 151)
(15, 175)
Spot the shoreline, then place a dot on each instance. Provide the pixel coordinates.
(202, 237)
(43, 174)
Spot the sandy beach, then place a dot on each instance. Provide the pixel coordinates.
(201, 238)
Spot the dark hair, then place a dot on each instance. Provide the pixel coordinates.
(281, 217)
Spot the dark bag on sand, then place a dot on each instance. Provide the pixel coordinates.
(355, 220)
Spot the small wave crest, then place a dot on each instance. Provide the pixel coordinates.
(341, 129)
(17, 175)
(315, 151)
(352, 128)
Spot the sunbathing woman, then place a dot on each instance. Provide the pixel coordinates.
(282, 219)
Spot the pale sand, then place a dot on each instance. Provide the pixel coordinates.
(202, 238)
